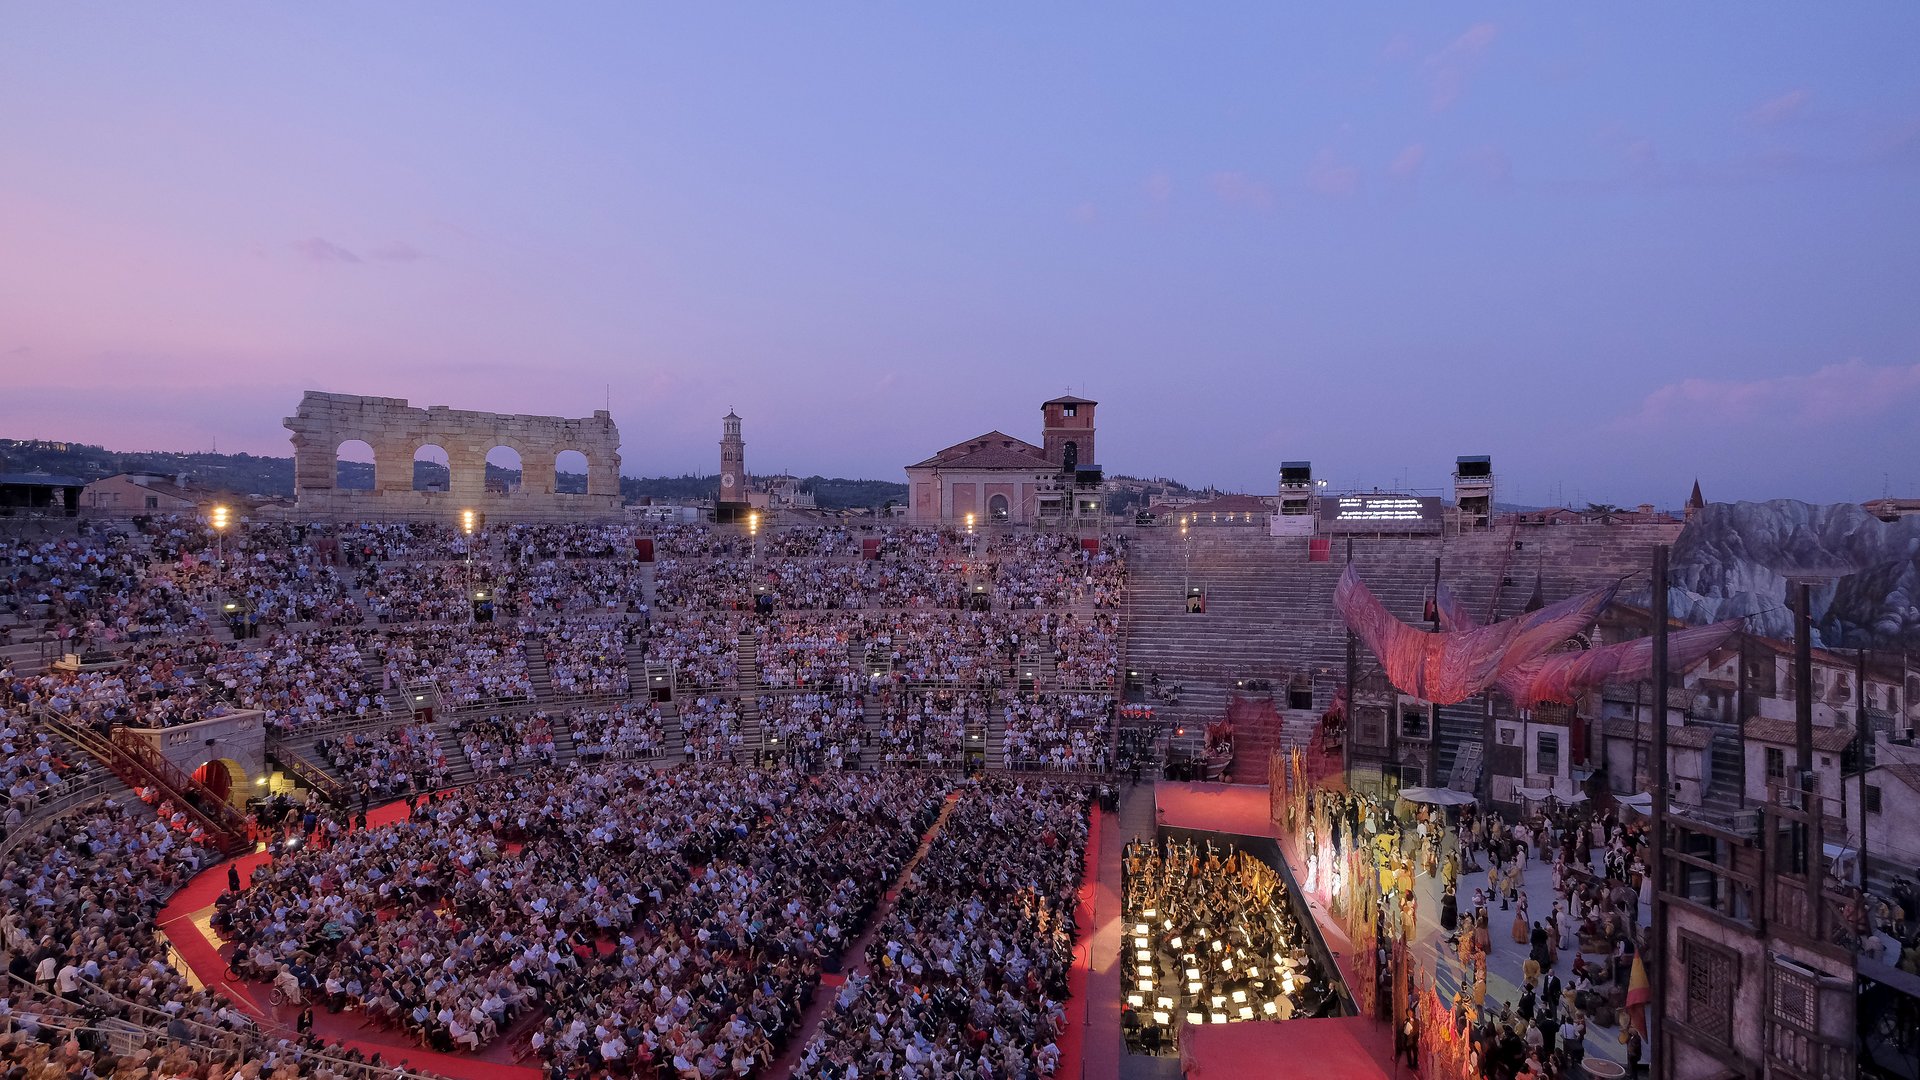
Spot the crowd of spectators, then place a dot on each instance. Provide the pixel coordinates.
(618, 733)
(711, 728)
(469, 663)
(929, 727)
(497, 744)
(1061, 732)
(811, 729)
(585, 658)
(703, 649)
(967, 976)
(805, 650)
(405, 757)
(668, 920)
(663, 918)
(35, 767)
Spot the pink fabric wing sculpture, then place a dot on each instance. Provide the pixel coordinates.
(1562, 676)
(1452, 666)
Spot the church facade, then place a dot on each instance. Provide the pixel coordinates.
(1001, 479)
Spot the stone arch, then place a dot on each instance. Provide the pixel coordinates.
(571, 470)
(997, 507)
(506, 468)
(228, 779)
(354, 452)
(429, 478)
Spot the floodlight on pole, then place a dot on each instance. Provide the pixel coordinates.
(220, 518)
(469, 521)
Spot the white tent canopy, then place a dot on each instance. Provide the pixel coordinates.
(1437, 796)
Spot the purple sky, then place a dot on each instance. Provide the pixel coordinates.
(1614, 249)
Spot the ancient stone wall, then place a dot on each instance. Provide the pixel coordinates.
(397, 431)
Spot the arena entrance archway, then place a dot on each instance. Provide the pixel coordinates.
(225, 778)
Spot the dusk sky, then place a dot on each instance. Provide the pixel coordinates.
(1613, 247)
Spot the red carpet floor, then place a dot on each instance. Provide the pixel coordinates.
(1073, 1039)
(1241, 809)
(199, 953)
(1100, 1003)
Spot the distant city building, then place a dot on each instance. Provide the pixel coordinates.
(1892, 509)
(144, 493)
(781, 493)
(999, 478)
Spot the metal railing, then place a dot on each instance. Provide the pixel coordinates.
(217, 812)
(52, 809)
(138, 763)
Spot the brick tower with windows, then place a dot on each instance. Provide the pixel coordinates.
(731, 502)
(1067, 432)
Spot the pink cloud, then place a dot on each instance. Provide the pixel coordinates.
(1406, 164)
(1332, 177)
(1449, 69)
(397, 251)
(1159, 187)
(1781, 109)
(1238, 189)
(1837, 393)
(324, 251)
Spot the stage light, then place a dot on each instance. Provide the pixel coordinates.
(1270, 1008)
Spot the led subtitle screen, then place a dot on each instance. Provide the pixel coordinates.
(1380, 513)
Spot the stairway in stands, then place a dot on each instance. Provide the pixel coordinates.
(538, 673)
(752, 738)
(140, 765)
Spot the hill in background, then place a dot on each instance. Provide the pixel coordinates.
(247, 474)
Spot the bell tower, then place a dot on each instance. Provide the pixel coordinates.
(1067, 432)
(733, 463)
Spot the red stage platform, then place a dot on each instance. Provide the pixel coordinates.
(1241, 809)
(1342, 1048)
